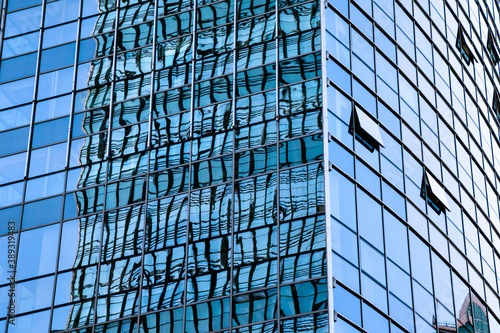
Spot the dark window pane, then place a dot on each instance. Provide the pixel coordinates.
(14, 141)
(42, 212)
(7, 215)
(16, 68)
(50, 132)
(57, 57)
(87, 49)
(19, 4)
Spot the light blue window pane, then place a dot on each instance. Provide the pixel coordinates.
(362, 49)
(17, 92)
(368, 179)
(19, 45)
(402, 313)
(360, 20)
(53, 108)
(342, 201)
(374, 292)
(390, 196)
(370, 220)
(63, 288)
(34, 294)
(424, 303)
(4, 301)
(37, 252)
(87, 26)
(364, 97)
(372, 262)
(399, 283)
(45, 186)
(344, 242)
(61, 11)
(16, 68)
(47, 159)
(341, 158)
(12, 168)
(87, 49)
(15, 117)
(339, 76)
(347, 304)
(373, 321)
(59, 35)
(4, 269)
(69, 242)
(345, 272)
(420, 262)
(342, 326)
(55, 83)
(36, 322)
(396, 241)
(11, 194)
(60, 317)
(23, 21)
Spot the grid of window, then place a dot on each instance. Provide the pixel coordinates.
(415, 220)
(166, 175)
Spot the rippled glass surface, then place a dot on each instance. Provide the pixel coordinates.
(164, 166)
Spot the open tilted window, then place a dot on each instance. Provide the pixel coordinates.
(463, 46)
(492, 48)
(365, 129)
(434, 193)
(496, 104)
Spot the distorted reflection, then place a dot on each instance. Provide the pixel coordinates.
(182, 188)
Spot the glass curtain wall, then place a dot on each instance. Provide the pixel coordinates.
(413, 124)
(164, 166)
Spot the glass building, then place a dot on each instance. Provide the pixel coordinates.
(249, 166)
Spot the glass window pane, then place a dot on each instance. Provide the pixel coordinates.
(11, 194)
(50, 132)
(37, 252)
(53, 108)
(57, 57)
(45, 186)
(17, 92)
(12, 214)
(19, 4)
(55, 83)
(42, 212)
(60, 34)
(17, 139)
(34, 294)
(16, 68)
(61, 11)
(16, 117)
(12, 168)
(47, 159)
(23, 21)
(19, 45)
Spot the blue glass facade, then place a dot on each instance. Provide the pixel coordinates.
(413, 125)
(166, 183)
(249, 166)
